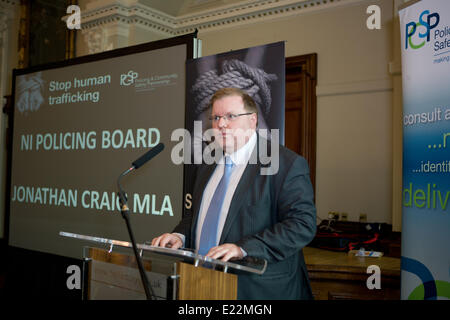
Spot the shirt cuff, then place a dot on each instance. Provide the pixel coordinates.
(182, 237)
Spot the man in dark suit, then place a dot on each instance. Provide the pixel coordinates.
(238, 211)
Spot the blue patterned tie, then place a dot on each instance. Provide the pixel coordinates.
(208, 235)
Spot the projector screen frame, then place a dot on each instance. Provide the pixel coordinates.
(187, 40)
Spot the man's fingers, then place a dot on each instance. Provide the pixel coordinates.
(225, 251)
(216, 252)
(170, 241)
(167, 239)
(229, 255)
(234, 252)
(155, 241)
(177, 245)
(164, 239)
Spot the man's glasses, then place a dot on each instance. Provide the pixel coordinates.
(229, 117)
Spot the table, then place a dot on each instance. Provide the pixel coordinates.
(342, 276)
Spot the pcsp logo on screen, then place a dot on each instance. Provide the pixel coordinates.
(415, 31)
(128, 78)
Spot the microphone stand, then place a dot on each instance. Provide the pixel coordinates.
(125, 214)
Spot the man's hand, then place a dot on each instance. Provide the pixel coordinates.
(227, 251)
(168, 240)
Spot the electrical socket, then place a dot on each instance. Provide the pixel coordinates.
(362, 217)
(333, 215)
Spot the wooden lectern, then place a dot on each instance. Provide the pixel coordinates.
(111, 272)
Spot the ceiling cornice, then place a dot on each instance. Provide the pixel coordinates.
(8, 5)
(246, 12)
(7, 8)
(10, 2)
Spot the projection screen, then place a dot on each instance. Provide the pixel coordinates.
(77, 127)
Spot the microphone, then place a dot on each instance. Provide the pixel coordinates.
(148, 155)
(125, 214)
(136, 165)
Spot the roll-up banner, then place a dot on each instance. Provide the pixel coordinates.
(259, 71)
(425, 35)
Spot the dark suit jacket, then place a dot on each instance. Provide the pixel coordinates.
(271, 217)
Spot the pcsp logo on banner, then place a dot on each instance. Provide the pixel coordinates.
(128, 78)
(415, 31)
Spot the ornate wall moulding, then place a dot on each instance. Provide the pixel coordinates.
(244, 12)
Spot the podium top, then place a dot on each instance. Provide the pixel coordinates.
(248, 264)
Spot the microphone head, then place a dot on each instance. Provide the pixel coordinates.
(148, 155)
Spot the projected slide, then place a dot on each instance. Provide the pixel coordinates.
(76, 129)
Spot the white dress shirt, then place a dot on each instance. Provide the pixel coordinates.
(240, 160)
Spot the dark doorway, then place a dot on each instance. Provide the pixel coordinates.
(301, 106)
